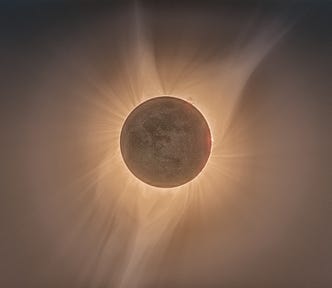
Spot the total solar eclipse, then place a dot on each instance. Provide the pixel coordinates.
(165, 142)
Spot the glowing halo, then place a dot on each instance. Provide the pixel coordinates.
(215, 87)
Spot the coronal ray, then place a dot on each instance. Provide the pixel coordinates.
(120, 205)
(215, 88)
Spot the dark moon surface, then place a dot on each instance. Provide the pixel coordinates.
(165, 142)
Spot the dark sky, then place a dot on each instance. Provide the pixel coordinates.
(275, 228)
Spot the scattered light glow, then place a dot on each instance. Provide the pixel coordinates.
(215, 89)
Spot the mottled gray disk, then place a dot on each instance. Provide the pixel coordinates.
(165, 142)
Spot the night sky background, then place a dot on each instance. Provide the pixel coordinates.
(274, 227)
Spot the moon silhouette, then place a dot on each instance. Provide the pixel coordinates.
(165, 142)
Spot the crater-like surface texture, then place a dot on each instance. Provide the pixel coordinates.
(165, 142)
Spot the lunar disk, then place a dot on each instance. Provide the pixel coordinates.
(165, 142)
